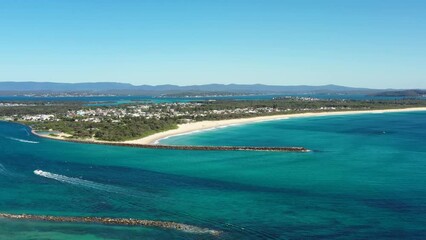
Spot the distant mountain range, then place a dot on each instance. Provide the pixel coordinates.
(125, 88)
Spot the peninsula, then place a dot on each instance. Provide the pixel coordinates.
(147, 123)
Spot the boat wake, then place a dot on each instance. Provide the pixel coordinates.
(5, 172)
(112, 189)
(26, 131)
(23, 140)
(80, 182)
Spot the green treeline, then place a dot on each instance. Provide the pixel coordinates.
(127, 129)
(40, 108)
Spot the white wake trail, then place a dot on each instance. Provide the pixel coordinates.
(23, 140)
(80, 182)
(5, 172)
(28, 133)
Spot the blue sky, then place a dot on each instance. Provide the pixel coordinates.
(364, 43)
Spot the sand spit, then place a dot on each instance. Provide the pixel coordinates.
(188, 128)
(191, 148)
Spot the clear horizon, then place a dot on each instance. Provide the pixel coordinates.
(371, 44)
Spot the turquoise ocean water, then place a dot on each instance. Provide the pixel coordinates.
(366, 179)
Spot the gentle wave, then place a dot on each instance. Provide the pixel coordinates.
(7, 173)
(80, 182)
(23, 140)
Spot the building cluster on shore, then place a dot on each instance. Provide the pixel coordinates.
(187, 112)
(157, 111)
(12, 104)
(39, 117)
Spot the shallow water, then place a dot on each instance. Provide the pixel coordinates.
(365, 180)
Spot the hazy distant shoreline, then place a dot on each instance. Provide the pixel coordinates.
(190, 128)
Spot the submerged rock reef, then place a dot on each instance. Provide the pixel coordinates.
(115, 221)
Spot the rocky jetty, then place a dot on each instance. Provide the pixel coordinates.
(115, 221)
(201, 148)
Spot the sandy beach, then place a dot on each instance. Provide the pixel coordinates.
(189, 128)
(210, 125)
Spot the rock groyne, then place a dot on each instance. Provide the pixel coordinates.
(200, 148)
(115, 221)
(177, 147)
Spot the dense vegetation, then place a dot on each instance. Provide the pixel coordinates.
(40, 108)
(126, 129)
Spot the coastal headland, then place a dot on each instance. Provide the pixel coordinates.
(153, 141)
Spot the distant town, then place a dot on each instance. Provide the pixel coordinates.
(185, 111)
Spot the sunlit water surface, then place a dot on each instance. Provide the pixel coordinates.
(365, 179)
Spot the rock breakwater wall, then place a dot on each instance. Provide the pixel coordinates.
(115, 221)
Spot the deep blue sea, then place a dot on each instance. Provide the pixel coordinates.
(366, 179)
